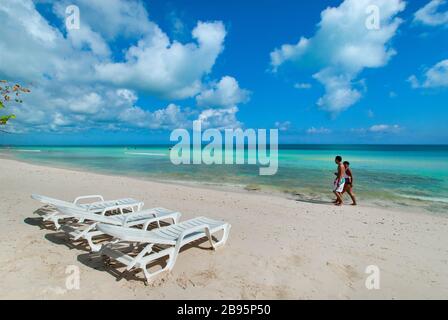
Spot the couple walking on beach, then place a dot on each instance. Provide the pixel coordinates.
(343, 182)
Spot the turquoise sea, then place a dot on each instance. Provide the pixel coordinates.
(386, 175)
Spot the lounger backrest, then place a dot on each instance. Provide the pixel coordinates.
(133, 234)
(53, 202)
(85, 215)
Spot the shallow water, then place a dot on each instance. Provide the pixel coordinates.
(388, 175)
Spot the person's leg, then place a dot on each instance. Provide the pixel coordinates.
(338, 192)
(346, 186)
(339, 196)
(352, 195)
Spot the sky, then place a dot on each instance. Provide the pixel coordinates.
(352, 71)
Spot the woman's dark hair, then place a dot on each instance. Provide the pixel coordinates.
(347, 163)
(338, 158)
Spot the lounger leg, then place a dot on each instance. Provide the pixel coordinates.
(172, 254)
(56, 222)
(224, 238)
(150, 275)
(93, 247)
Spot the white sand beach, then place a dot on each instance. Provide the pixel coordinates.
(278, 248)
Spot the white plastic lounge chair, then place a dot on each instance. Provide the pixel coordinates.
(173, 238)
(55, 215)
(87, 230)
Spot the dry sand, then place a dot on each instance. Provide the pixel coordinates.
(278, 248)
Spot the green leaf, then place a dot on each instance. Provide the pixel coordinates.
(1, 105)
(4, 119)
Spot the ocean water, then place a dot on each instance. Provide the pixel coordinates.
(385, 175)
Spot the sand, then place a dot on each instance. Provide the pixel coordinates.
(278, 248)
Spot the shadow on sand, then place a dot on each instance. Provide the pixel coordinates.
(315, 201)
(101, 263)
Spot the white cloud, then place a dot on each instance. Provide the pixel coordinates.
(393, 94)
(111, 18)
(385, 128)
(220, 118)
(36, 37)
(168, 69)
(413, 81)
(177, 25)
(170, 117)
(302, 86)
(320, 130)
(378, 129)
(339, 92)
(75, 84)
(282, 126)
(97, 109)
(225, 93)
(434, 77)
(431, 15)
(87, 104)
(86, 37)
(343, 47)
(288, 52)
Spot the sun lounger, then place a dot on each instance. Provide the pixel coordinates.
(171, 239)
(87, 228)
(54, 214)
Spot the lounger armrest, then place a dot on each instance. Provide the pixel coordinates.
(86, 231)
(119, 207)
(139, 257)
(185, 233)
(148, 221)
(88, 197)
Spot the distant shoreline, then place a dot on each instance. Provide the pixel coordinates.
(324, 199)
(285, 145)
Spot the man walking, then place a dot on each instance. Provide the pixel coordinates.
(339, 183)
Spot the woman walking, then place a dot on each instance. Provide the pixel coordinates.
(348, 187)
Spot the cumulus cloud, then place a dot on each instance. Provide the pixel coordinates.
(225, 93)
(378, 129)
(170, 117)
(342, 48)
(112, 19)
(220, 118)
(434, 77)
(168, 69)
(302, 86)
(102, 108)
(320, 130)
(282, 126)
(432, 15)
(221, 100)
(78, 83)
(384, 128)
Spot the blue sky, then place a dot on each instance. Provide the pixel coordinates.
(137, 69)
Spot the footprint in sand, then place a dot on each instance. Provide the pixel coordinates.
(347, 272)
(199, 279)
